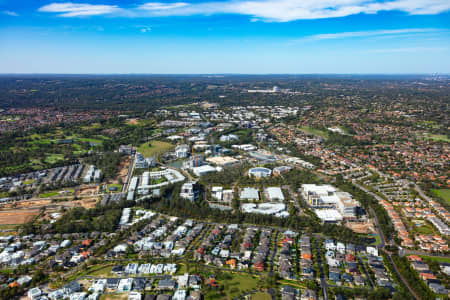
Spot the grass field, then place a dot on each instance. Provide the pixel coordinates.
(154, 147)
(261, 296)
(439, 259)
(48, 194)
(437, 137)
(238, 284)
(444, 194)
(52, 158)
(313, 131)
(118, 186)
(424, 229)
(103, 272)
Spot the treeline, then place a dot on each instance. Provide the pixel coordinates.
(231, 175)
(411, 276)
(17, 291)
(80, 219)
(376, 294)
(108, 162)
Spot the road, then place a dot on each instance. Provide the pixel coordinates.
(274, 252)
(294, 198)
(365, 272)
(372, 212)
(323, 281)
(383, 243)
(130, 173)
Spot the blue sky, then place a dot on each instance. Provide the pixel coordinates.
(225, 36)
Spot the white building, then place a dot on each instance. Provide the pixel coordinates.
(34, 293)
(189, 191)
(274, 194)
(182, 151)
(203, 170)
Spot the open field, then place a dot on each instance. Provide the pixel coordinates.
(437, 137)
(235, 286)
(154, 147)
(17, 216)
(438, 259)
(261, 296)
(313, 131)
(21, 212)
(122, 296)
(48, 194)
(444, 194)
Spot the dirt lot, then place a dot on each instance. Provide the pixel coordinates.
(361, 227)
(133, 121)
(17, 216)
(23, 211)
(123, 171)
(88, 191)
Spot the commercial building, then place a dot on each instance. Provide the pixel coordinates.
(249, 193)
(275, 209)
(190, 191)
(274, 194)
(328, 215)
(182, 151)
(327, 197)
(259, 172)
(223, 161)
(203, 170)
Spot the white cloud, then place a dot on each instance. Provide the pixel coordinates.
(161, 6)
(369, 33)
(145, 29)
(290, 10)
(265, 10)
(69, 9)
(10, 13)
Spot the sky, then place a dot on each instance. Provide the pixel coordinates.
(225, 36)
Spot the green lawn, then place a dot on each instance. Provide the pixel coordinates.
(31, 181)
(118, 186)
(91, 140)
(424, 229)
(313, 131)
(444, 194)
(238, 284)
(103, 272)
(154, 147)
(438, 259)
(48, 194)
(437, 137)
(261, 296)
(52, 158)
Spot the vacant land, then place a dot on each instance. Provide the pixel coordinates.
(438, 259)
(154, 147)
(438, 137)
(235, 286)
(17, 216)
(123, 296)
(313, 131)
(444, 194)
